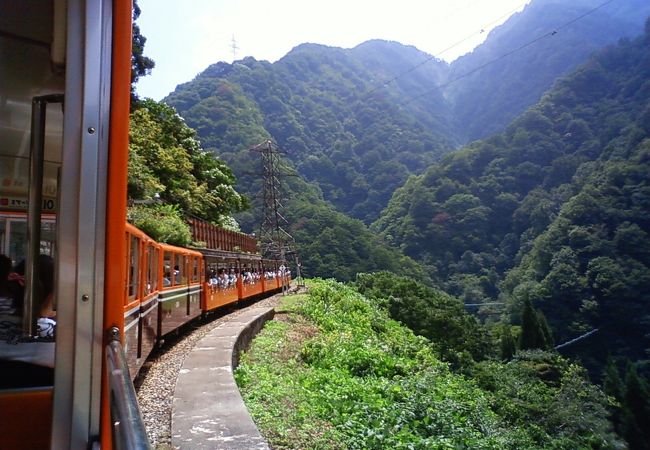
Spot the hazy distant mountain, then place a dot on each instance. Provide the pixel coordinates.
(488, 100)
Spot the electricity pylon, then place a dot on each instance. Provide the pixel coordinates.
(276, 242)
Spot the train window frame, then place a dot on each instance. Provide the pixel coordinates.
(195, 269)
(168, 266)
(181, 277)
(133, 270)
(152, 262)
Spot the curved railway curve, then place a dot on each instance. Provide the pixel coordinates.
(156, 383)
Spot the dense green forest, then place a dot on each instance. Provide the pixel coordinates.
(171, 177)
(500, 220)
(554, 210)
(504, 219)
(316, 104)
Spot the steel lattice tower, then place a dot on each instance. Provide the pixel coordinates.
(275, 240)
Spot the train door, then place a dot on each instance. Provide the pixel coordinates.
(55, 95)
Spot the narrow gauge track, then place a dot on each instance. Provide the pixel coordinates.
(156, 381)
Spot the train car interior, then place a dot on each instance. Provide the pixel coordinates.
(55, 99)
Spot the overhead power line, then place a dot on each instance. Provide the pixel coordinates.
(438, 54)
(484, 304)
(579, 338)
(505, 55)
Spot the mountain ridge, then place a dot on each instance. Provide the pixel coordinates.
(546, 210)
(349, 117)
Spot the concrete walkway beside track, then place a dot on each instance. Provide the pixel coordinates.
(208, 411)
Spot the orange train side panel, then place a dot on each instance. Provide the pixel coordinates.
(25, 419)
(219, 297)
(116, 201)
(250, 290)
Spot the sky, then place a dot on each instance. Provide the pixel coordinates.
(185, 37)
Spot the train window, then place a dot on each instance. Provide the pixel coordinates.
(152, 269)
(146, 269)
(17, 240)
(13, 238)
(195, 269)
(134, 278)
(48, 238)
(180, 275)
(3, 234)
(167, 269)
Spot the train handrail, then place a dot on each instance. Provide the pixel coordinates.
(129, 432)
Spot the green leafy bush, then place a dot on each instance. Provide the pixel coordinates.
(429, 312)
(333, 371)
(162, 223)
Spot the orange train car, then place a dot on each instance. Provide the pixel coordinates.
(113, 292)
(167, 286)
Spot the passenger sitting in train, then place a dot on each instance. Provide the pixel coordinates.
(213, 281)
(223, 279)
(46, 322)
(248, 277)
(167, 278)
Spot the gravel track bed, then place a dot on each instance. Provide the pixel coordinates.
(157, 380)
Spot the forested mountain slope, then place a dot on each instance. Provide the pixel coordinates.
(562, 197)
(357, 122)
(486, 101)
(317, 103)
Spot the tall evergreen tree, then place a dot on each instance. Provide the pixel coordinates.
(546, 331)
(141, 65)
(613, 387)
(636, 410)
(532, 335)
(508, 346)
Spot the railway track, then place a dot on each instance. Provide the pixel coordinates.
(157, 380)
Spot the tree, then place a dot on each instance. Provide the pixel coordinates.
(429, 312)
(164, 223)
(141, 65)
(545, 329)
(166, 158)
(508, 346)
(533, 333)
(636, 410)
(613, 387)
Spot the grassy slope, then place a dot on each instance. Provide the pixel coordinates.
(335, 372)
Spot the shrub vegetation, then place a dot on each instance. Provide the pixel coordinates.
(335, 371)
